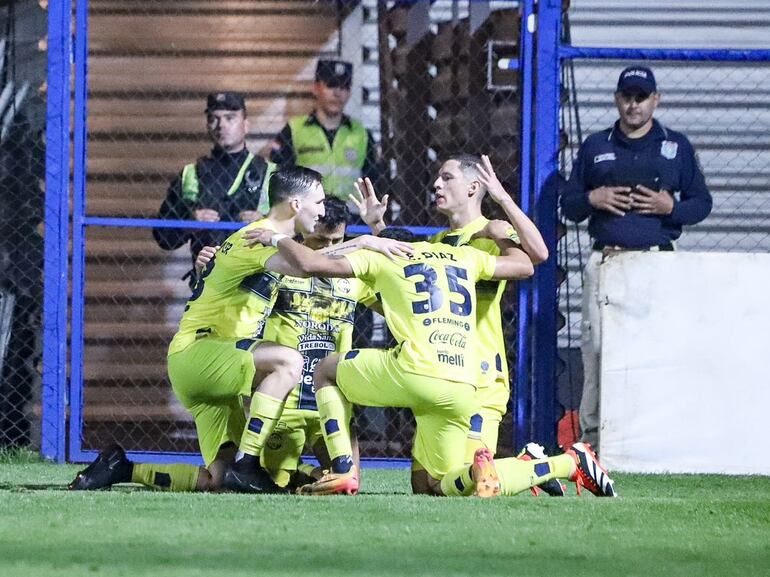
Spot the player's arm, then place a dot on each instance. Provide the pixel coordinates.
(531, 240)
(513, 262)
(298, 260)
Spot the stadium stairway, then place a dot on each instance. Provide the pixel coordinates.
(151, 65)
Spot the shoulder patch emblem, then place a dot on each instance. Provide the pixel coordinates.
(604, 157)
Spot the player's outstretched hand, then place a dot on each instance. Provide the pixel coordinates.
(370, 208)
(204, 257)
(255, 236)
(389, 247)
(488, 178)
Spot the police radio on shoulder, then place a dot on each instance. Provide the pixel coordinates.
(276, 238)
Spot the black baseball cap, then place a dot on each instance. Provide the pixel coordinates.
(638, 78)
(225, 101)
(334, 73)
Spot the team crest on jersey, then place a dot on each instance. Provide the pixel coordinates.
(275, 441)
(351, 154)
(343, 285)
(668, 149)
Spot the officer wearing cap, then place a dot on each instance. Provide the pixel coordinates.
(637, 182)
(328, 140)
(228, 184)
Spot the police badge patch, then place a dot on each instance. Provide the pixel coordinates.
(668, 149)
(351, 154)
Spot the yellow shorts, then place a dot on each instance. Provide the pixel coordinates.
(442, 409)
(283, 449)
(484, 425)
(209, 378)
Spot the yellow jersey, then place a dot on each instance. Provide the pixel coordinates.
(314, 316)
(429, 302)
(234, 294)
(493, 362)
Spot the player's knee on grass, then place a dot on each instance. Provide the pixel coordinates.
(424, 484)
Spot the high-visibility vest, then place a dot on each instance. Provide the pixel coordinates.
(191, 186)
(341, 163)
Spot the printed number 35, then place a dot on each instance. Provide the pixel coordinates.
(435, 295)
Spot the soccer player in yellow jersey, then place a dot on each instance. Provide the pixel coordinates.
(314, 316)
(218, 355)
(460, 187)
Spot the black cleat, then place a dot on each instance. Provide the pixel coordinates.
(241, 478)
(110, 467)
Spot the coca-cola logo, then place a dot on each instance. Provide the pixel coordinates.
(453, 339)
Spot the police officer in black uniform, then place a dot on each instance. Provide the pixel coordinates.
(230, 184)
(638, 183)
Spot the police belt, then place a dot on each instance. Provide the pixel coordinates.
(616, 248)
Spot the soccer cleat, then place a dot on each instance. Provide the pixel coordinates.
(484, 474)
(589, 472)
(240, 478)
(110, 467)
(554, 487)
(333, 484)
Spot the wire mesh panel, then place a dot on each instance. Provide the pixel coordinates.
(22, 170)
(721, 107)
(421, 96)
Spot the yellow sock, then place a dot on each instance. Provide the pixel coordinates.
(334, 411)
(458, 483)
(473, 441)
(517, 475)
(264, 413)
(175, 478)
(306, 468)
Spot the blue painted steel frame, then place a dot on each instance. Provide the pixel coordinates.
(520, 396)
(57, 159)
(543, 424)
(78, 228)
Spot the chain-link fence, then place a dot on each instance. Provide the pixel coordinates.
(722, 109)
(22, 66)
(420, 86)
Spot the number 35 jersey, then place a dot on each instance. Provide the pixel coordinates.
(429, 302)
(314, 316)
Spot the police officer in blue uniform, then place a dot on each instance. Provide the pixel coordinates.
(638, 183)
(230, 184)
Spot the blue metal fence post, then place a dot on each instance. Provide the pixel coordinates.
(78, 228)
(53, 396)
(521, 414)
(544, 304)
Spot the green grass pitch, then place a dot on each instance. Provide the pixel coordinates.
(672, 525)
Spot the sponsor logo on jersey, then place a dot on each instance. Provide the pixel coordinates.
(484, 367)
(456, 360)
(455, 339)
(447, 321)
